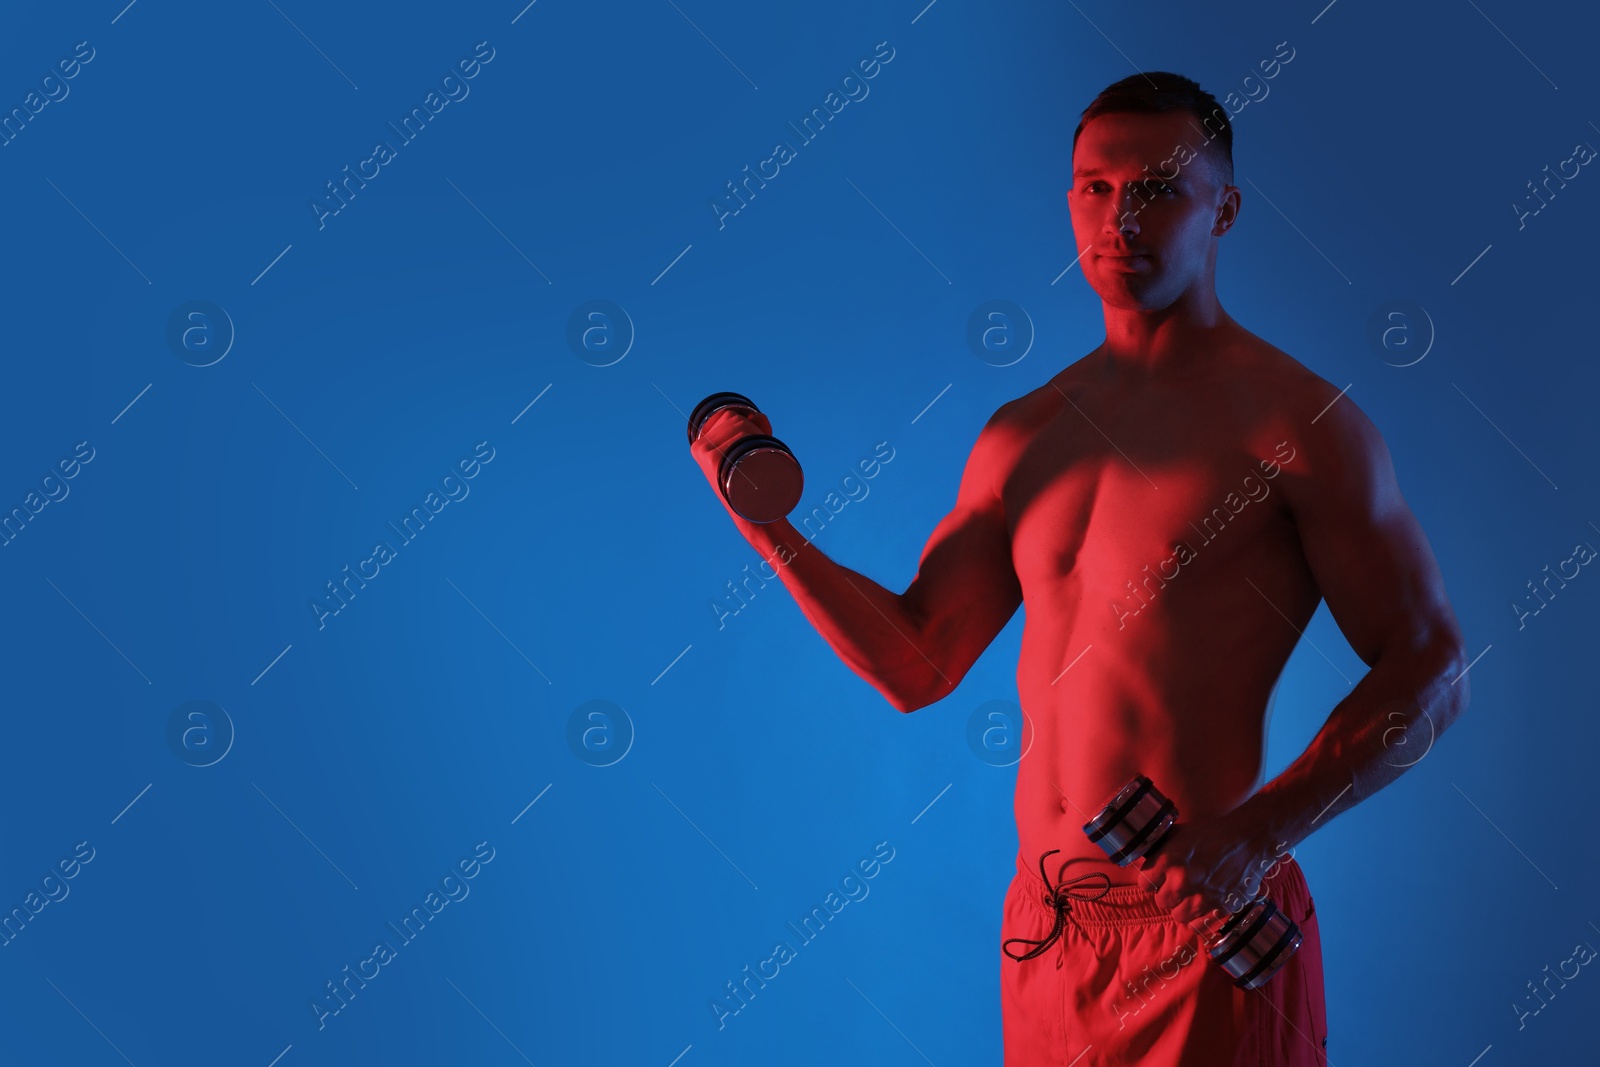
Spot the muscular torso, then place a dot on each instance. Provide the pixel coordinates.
(1163, 585)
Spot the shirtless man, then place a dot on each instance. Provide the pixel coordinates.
(1171, 508)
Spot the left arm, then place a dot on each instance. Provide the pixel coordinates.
(1382, 585)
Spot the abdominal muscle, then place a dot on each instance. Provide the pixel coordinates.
(1149, 699)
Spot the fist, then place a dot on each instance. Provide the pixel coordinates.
(720, 430)
(1207, 871)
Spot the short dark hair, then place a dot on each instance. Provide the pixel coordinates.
(1157, 91)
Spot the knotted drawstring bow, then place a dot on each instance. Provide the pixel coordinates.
(1059, 897)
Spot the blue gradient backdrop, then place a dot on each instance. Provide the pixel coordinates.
(370, 754)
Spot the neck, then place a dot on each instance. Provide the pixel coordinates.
(1163, 340)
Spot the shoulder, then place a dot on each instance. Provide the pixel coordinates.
(1330, 450)
(1018, 420)
(1044, 401)
(1007, 432)
(1267, 370)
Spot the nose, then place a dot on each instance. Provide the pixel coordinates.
(1122, 213)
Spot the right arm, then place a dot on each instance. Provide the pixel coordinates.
(913, 647)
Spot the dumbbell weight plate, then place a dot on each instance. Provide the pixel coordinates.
(1133, 823)
(761, 479)
(715, 402)
(1255, 944)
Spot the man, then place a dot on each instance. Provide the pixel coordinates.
(1172, 508)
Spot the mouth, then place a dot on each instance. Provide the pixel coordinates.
(1130, 262)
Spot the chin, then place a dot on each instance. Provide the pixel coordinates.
(1142, 299)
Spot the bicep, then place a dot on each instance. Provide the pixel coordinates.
(1367, 551)
(966, 589)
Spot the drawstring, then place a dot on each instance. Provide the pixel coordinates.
(1059, 897)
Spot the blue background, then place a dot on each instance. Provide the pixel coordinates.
(370, 355)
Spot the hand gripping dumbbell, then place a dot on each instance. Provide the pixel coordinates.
(1251, 945)
(759, 478)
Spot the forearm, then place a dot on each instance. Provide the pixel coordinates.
(867, 626)
(1390, 720)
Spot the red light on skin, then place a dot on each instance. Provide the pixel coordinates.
(1150, 212)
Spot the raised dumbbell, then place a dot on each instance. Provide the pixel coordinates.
(759, 477)
(1251, 945)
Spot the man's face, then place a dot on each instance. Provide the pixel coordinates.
(1149, 232)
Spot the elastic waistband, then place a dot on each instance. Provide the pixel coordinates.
(1133, 904)
(1119, 905)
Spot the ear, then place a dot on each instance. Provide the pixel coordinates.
(1227, 211)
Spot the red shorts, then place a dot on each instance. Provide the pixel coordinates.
(1127, 984)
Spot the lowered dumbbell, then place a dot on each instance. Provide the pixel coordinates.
(1251, 945)
(759, 477)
